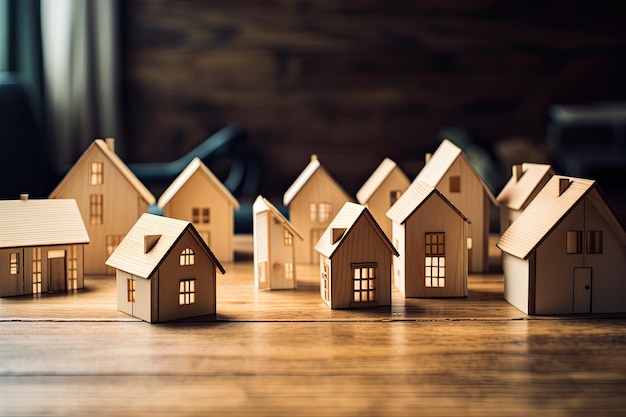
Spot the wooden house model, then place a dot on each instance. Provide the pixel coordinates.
(430, 234)
(274, 254)
(41, 246)
(164, 271)
(355, 260)
(452, 174)
(526, 181)
(199, 197)
(313, 200)
(110, 199)
(566, 252)
(381, 190)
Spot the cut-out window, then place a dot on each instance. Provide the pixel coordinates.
(112, 242)
(95, 209)
(187, 292)
(364, 283)
(36, 270)
(96, 173)
(574, 243)
(287, 238)
(312, 212)
(187, 257)
(455, 184)
(394, 195)
(325, 289)
(72, 268)
(130, 290)
(323, 212)
(14, 263)
(594, 241)
(289, 271)
(200, 215)
(435, 260)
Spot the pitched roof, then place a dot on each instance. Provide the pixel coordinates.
(262, 204)
(518, 192)
(40, 223)
(547, 210)
(375, 180)
(101, 146)
(196, 165)
(414, 196)
(306, 174)
(347, 217)
(441, 161)
(129, 256)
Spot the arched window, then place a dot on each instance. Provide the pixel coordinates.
(187, 257)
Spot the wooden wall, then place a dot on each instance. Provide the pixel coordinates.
(355, 81)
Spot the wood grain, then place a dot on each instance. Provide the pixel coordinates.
(286, 353)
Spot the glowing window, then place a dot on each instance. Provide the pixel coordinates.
(95, 209)
(36, 270)
(287, 238)
(96, 173)
(435, 261)
(187, 257)
(187, 292)
(364, 283)
(14, 263)
(130, 290)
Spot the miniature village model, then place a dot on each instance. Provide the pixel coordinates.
(313, 200)
(198, 196)
(41, 246)
(566, 252)
(274, 254)
(110, 199)
(355, 260)
(164, 271)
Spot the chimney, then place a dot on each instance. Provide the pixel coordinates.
(336, 234)
(313, 157)
(110, 144)
(428, 156)
(517, 172)
(24, 197)
(149, 241)
(563, 184)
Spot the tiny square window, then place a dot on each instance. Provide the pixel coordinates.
(455, 184)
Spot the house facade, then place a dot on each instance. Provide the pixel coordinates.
(274, 253)
(381, 190)
(41, 246)
(164, 271)
(452, 174)
(355, 259)
(313, 200)
(566, 252)
(199, 197)
(110, 199)
(430, 234)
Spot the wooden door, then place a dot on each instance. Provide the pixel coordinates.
(582, 290)
(56, 270)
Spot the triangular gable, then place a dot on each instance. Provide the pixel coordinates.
(442, 160)
(41, 223)
(196, 165)
(374, 182)
(130, 256)
(548, 209)
(312, 167)
(262, 204)
(517, 192)
(347, 217)
(410, 201)
(101, 146)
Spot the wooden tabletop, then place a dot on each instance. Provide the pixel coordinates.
(286, 353)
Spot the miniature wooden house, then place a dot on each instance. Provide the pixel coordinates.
(526, 181)
(381, 190)
(110, 199)
(164, 271)
(452, 174)
(198, 196)
(355, 260)
(274, 254)
(313, 200)
(566, 252)
(430, 234)
(41, 246)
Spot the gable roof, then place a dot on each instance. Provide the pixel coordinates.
(129, 256)
(101, 146)
(414, 196)
(547, 210)
(517, 193)
(262, 204)
(440, 162)
(196, 165)
(347, 217)
(375, 180)
(41, 223)
(306, 174)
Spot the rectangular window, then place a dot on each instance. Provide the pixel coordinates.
(323, 212)
(206, 215)
(95, 209)
(289, 271)
(312, 212)
(435, 260)
(130, 290)
(594, 241)
(574, 243)
(14, 263)
(287, 238)
(394, 195)
(364, 282)
(455, 184)
(112, 242)
(187, 292)
(200, 215)
(195, 215)
(72, 268)
(325, 282)
(187, 257)
(96, 171)
(36, 270)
